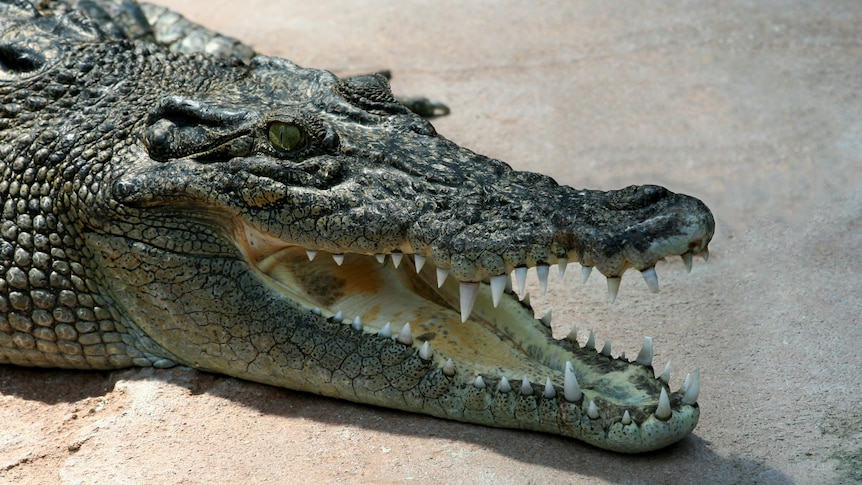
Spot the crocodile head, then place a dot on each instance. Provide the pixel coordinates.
(282, 225)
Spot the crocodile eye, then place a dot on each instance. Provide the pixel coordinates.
(286, 136)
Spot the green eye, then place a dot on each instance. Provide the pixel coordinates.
(286, 136)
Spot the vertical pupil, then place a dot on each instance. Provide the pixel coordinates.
(285, 136)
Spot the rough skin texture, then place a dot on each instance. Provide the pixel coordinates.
(163, 208)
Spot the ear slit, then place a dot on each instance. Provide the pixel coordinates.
(19, 60)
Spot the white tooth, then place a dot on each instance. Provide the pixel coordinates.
(420, 262)
(571, 389)
(613, 288)
(311, 253)
(468, 298)
(357, 323)
(386, 331)
(651, 279)
(526, 300)
(573, 335)
(665, 376)
(561, 264)
(339, 259)
(693, 389)
(593, 410)
(705, 254)
(504, 386)
(546, 319)
(526, 388)
(542, 273)
(449, 368)
(381, 258)
(646, 353)
(591, 341)
(338, 317)
(521, 276)
(685, 384)
(606, 350)
(498, 285)
(686, 258)
(627, 418)
(405, 336)
(425, 351)
(550, 392)
(479, 383)
(316, 311)
(663, 411)
(585, 273)
(396, 259)
(442, 273)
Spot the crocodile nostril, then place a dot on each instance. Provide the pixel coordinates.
(636, 197)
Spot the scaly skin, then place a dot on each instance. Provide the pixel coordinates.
(163, 208)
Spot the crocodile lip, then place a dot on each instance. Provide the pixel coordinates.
(503, 345)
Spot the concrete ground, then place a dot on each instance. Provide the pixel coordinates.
(753, 106)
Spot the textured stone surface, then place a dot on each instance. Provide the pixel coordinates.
(752, 107)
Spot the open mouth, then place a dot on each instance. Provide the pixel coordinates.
(479, 334)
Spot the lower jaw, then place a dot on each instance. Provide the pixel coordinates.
(495, 343)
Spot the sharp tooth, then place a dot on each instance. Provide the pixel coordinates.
(651, 279)
(561, 264)
(521, 276)
(665, 376)
(468, 298)
(571, 389)
(405, 336)
(425, 351)
(606, 350)
(316, 311)
(550, 392)
(685, 384)
(339, 259)
(498, 285)
(442, 273)
(646, 353)
(585, 273)
(509, 284)
(420, 262)
(386, 331)
(357, 323)
(396, 259)
(546, 319)
(338, 317)
(705, 254)
(686, 258)
(381, 258)
(449, 368)
(526, 388)
(613, 288)
(542, 273)
(479, 383)
(693, 390)
(504, 386)
(311, 253)
(526, 300)
(663, 411)
(591, 341)
(593, 410)
(627, 418)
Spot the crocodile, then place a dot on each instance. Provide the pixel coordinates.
(170, 197)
